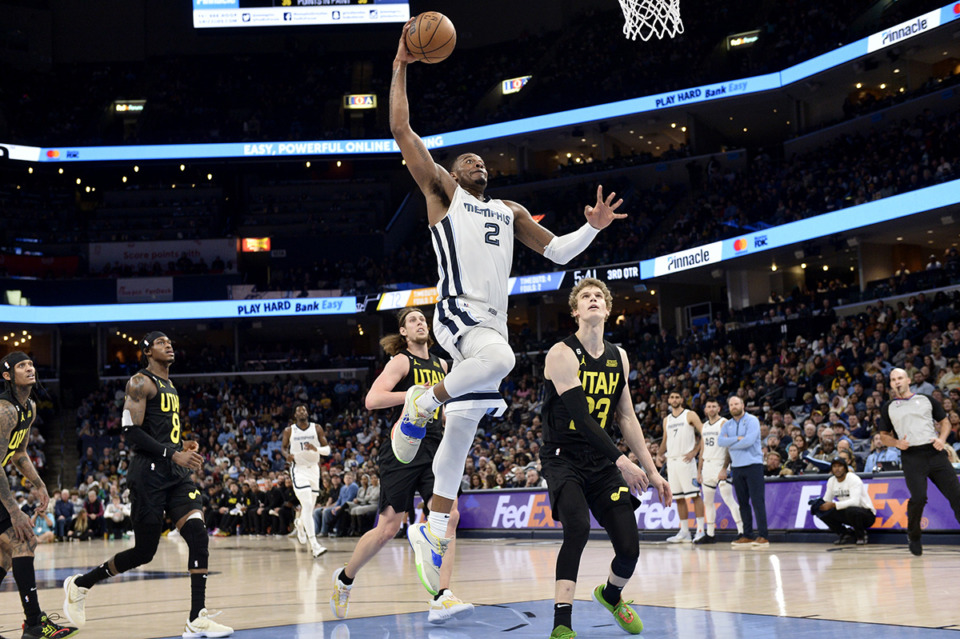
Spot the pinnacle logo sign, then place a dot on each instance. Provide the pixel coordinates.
(691, 258)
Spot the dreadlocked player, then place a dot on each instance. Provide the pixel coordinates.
(17, 541)
(159, 480)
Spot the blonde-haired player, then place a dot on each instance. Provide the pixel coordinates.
(712, 473)
(680, 444)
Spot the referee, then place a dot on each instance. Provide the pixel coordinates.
(914, 418)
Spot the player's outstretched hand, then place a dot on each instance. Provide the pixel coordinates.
(189, 445)
(188, 459)
(601, 214)
(403, 54)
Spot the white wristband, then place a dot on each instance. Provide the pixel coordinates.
(564, 248)
(127, 419)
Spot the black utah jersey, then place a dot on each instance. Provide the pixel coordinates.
(602, 380)
(20, 431)
(161, 420)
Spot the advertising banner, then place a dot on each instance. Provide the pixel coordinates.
(145, 289)
(137, 254)
(787, 508)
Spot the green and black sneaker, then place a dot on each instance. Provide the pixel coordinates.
(622, 612)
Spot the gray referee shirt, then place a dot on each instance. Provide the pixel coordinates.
(915, 419)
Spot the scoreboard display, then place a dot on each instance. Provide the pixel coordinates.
(284, 13)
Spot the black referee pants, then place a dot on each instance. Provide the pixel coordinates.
(919, 464)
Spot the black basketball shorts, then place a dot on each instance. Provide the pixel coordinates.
(158, 487)
(599, 480)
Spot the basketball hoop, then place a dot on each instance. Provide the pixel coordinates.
(648, 18)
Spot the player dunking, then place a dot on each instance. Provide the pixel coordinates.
(303, 444)
(680, 444)
(17, 541)
(473, 238)
(159, 480)
(712, 474)
(585, 394)
(411, 364)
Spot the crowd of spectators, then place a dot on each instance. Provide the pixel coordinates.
(817, 390)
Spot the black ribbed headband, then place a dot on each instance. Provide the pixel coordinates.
(14, 358)
(149, 338)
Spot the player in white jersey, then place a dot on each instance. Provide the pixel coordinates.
(303, 444)
(713, 474)
(680, 444)
(473, 237)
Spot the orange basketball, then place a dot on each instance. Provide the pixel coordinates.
(431, 37)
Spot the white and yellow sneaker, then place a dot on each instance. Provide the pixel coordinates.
(74, 600)
(409, 430)
(301, 531)
(448, 607)
(428, 552)
(205, 626)
(340, 599)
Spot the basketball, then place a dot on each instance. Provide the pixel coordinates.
(431, 37)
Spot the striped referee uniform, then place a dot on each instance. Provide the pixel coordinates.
(918, 419)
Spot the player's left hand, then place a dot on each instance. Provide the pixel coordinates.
(689, 457)
(603, 213)
(938, 443)
(403, 54)
(190, 445)
(309, 446)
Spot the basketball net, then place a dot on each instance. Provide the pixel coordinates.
(649, 18)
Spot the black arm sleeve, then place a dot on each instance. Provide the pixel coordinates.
(144, 443)
(575, 401)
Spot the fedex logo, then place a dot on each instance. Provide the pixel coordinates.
(535, 513)
(891, 512)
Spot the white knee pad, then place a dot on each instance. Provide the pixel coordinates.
(458, 434)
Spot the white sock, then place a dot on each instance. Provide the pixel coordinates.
(711, 528)
(699, 525)
(428, 403)
(438, 523)
(684, 528)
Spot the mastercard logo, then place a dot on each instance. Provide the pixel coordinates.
(740, 245)
(956, 8)
(53, 153)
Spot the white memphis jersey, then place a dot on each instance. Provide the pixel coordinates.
(712, 451)
(474, 247)
(298, 438)
(681, 436)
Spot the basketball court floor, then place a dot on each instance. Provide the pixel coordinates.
(273, 588)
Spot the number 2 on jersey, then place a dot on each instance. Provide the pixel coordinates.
(491, 236)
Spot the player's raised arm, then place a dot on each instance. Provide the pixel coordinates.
(561, 249)
(433, 180)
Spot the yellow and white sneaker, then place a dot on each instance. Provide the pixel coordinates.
(205, 626)
(448, 607)
(340, 599)
(301, 531)
(428, 550)
(74, 600)
(409, 430)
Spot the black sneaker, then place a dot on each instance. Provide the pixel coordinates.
(844, 540)
(46, 629)
(915, 547)
(706, 539)
(863, 541)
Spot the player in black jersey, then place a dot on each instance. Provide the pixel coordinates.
(586, 393)
(411, 364)
(17, 541)
(160, 482)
